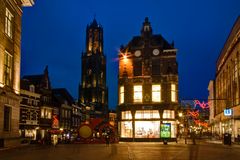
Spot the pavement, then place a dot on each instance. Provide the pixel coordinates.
(180, 141)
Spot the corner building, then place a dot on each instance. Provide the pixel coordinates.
(10, 57)
(147, 88)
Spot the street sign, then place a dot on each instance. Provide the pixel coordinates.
(227, 112)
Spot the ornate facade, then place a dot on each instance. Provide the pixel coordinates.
(147, 87)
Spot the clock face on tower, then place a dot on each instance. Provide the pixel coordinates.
(155, 52)
(137, 53)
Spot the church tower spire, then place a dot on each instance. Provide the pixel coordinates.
(146, 28)
(94, 38)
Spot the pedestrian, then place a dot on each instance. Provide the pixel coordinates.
(238, 138)
(107, 140)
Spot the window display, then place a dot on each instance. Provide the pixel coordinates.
(126, 129)
(147, 129)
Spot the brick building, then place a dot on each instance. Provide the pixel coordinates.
(147, 88)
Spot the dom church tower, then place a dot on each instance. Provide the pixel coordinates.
(93, 90)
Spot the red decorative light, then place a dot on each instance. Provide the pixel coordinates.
(194, 114)
(198, 122)
(203, 105)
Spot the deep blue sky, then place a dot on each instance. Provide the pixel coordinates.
(53, 34)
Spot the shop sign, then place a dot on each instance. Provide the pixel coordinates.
(147, 107)
(227, 112)
(165, 130)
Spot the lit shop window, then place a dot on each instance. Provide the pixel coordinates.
(147, 129)
(147, 114)
(137, 93)
(173, 93)
(168, 114)
(121, 96)
(9, 23)
(126, 115)
(156, 93)
(126, 129)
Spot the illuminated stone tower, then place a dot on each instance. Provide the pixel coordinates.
(93, 90)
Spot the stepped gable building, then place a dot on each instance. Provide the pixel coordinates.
(29, 111)
(93, 91)
(10, 57)
(43, 87)
(147, 88)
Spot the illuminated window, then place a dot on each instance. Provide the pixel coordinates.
(121, 96)
(126, 115)
(173, 93)
(126, 129)
(156, 93)
(137, 97)
(8, 23)
(168, 114)
(8, 62)
(146, 114)
(42, 112)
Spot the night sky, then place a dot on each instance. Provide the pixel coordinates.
(54, 33)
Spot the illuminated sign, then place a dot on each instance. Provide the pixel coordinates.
(227, 112)
(165, 130)
(55, 121)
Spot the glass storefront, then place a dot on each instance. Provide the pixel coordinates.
(146, 124)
